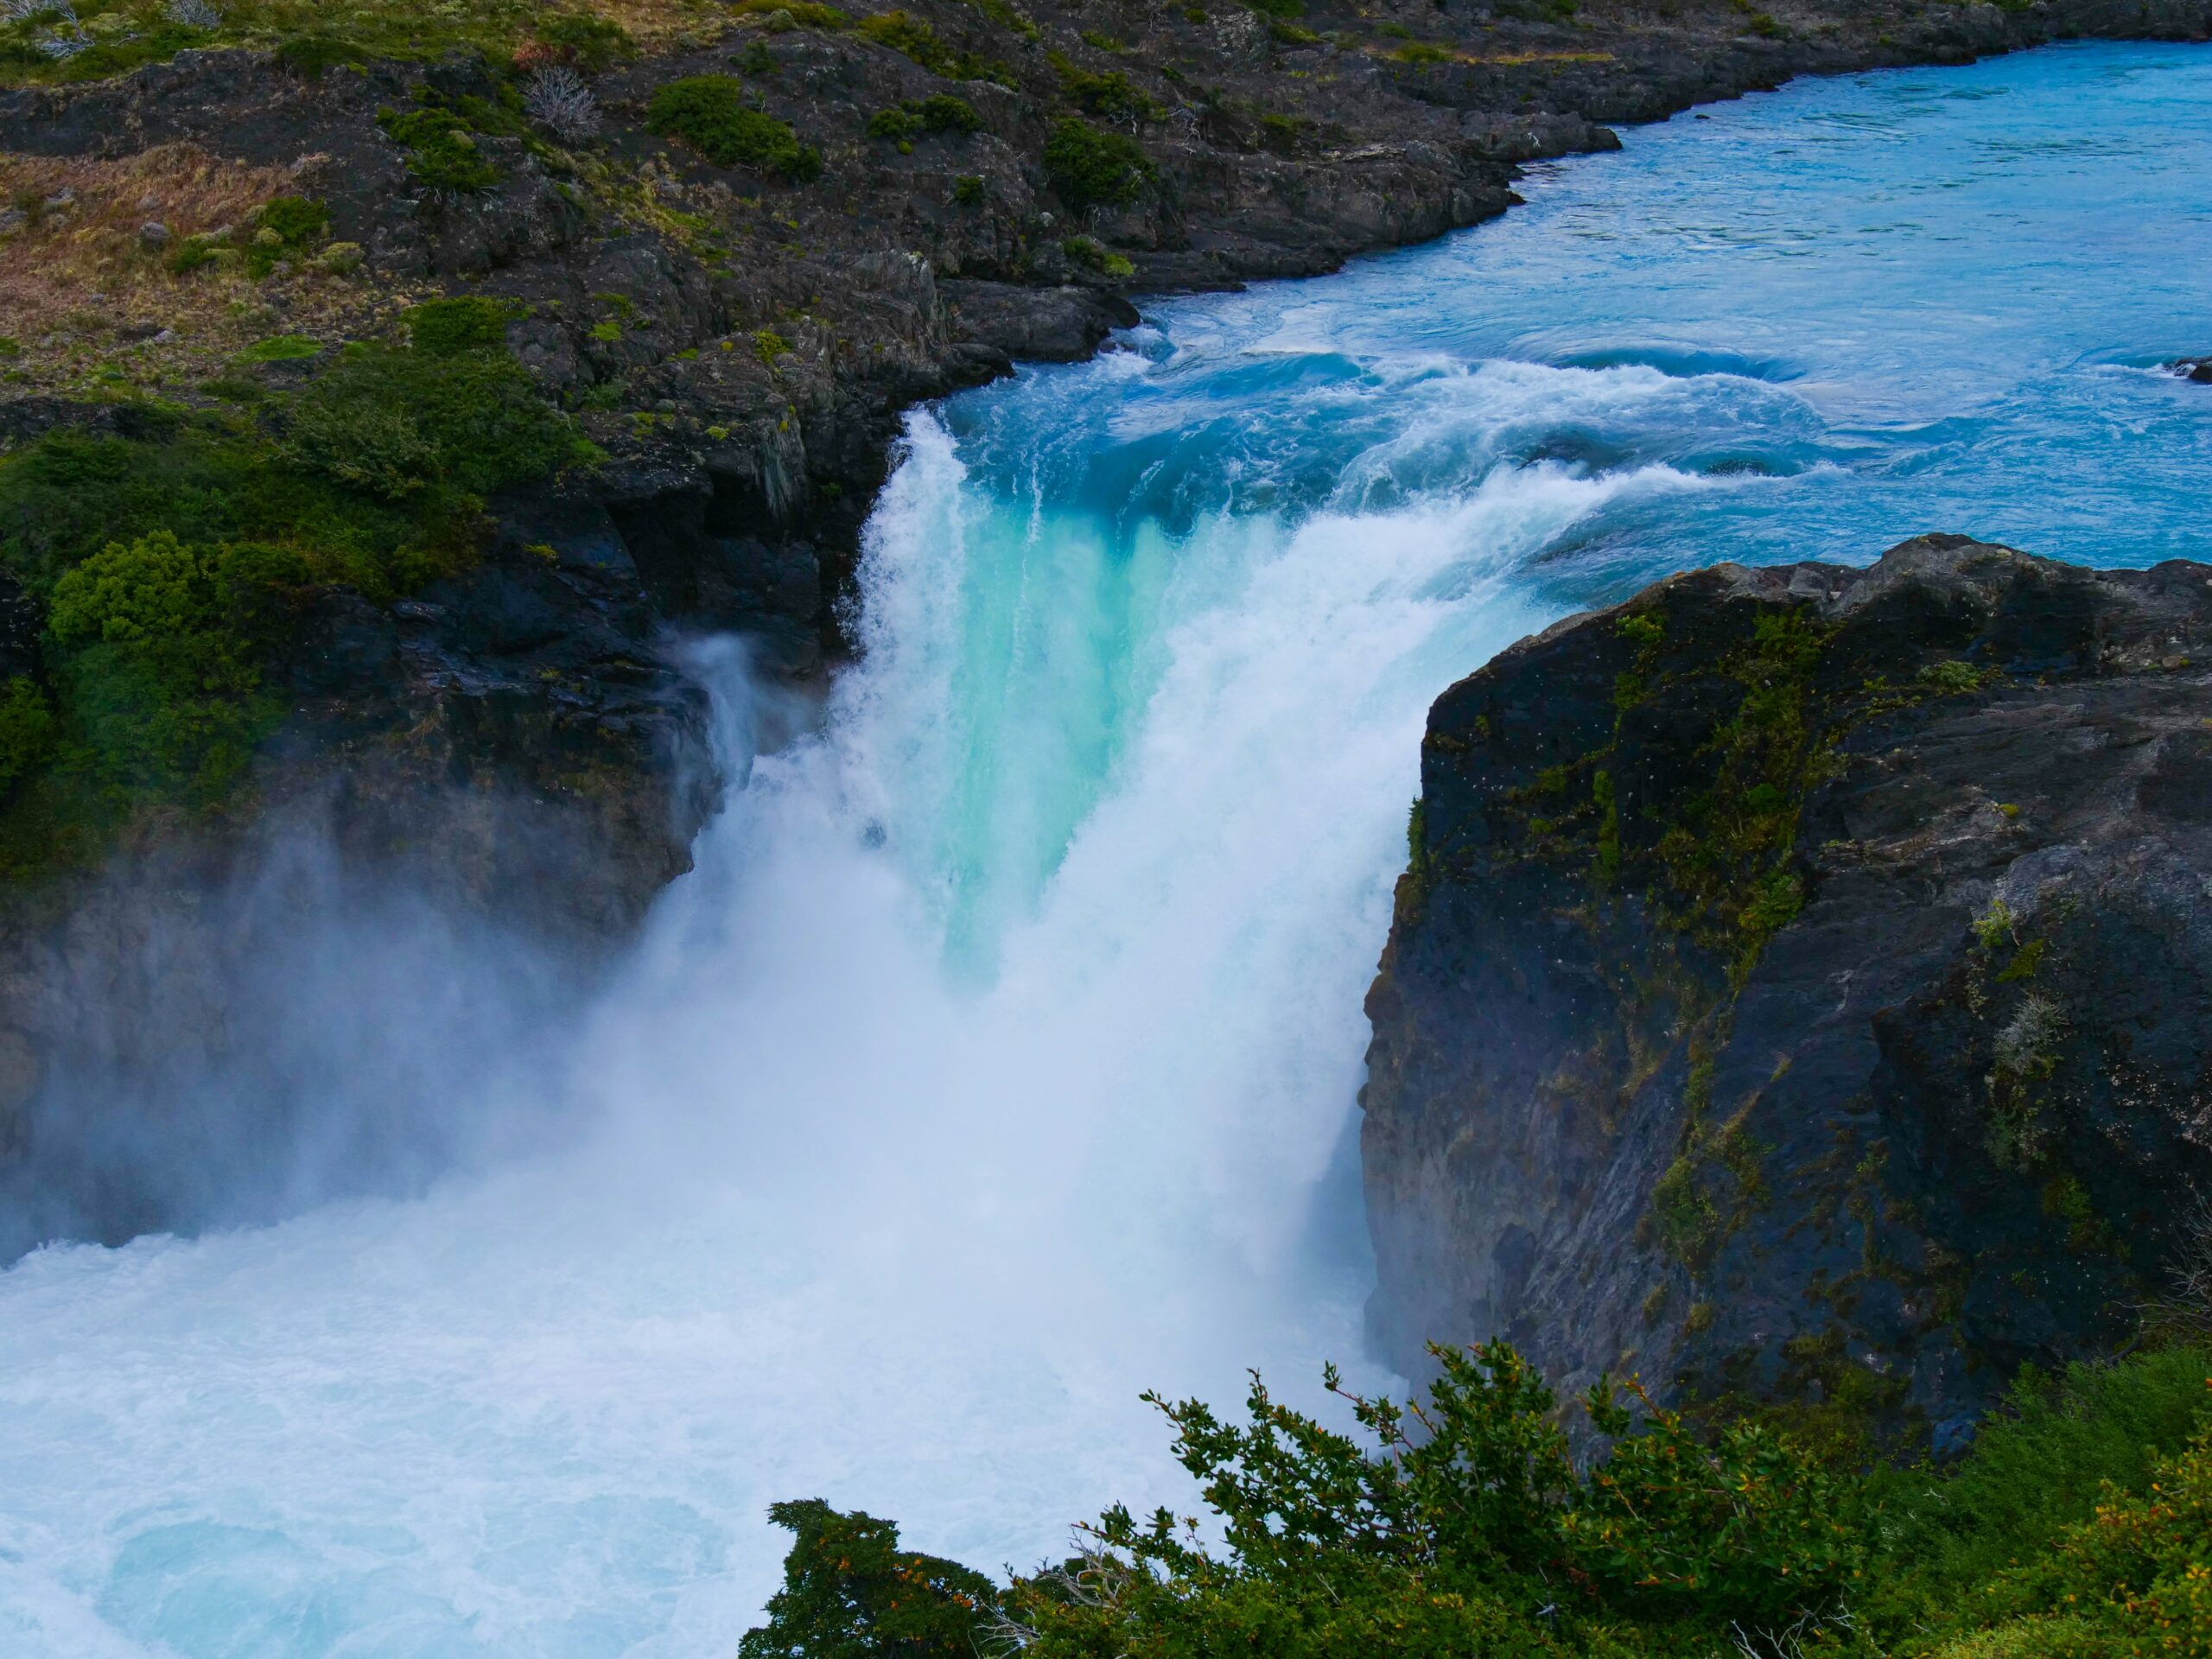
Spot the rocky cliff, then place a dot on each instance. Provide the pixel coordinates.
(1802, 986)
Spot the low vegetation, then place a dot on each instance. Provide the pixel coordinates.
(175, 553)
(2080, 1524)
(715, 115)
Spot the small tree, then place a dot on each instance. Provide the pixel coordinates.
(851, 1592)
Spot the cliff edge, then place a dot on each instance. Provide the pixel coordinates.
(1798, 991)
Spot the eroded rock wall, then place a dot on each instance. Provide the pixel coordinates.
(1802, 987)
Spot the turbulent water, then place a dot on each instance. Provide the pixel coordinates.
(1000, 1058)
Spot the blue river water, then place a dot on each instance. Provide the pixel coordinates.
(1000, 1058)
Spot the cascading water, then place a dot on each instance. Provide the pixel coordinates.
(999, 1058)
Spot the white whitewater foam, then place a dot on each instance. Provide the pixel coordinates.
(909, 1178)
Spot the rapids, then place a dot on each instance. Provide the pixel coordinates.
(1000, 1058)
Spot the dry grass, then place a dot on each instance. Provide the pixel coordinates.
(77, 278)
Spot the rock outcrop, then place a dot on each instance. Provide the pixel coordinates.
(1802, 987)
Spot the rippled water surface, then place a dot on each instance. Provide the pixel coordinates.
(999, 1059)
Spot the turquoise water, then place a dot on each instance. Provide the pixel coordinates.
(999, 1059)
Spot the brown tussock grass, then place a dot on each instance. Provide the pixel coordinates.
(70, 279)
(88, 258)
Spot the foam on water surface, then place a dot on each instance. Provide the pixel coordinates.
(999, 1059)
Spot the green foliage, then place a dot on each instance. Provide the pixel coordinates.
(710, 113)
(802, 12)
(851, 1592)
(2079, 1525)
(1286, 10)
(310, 54)
(1005, 16)
(471, 323)
(26, 728)
(1749, 1530)
(441, 152)
(402, 426)
(939, 112)
(968, 190)
(295, 220)
(2040, 1464)
(1953, 679)
(768, 346)
(591, 43)
(160, 642)
(1088, 168)
(281, 348)
(1421, 53)
(1109, 96)
(170, 560)
(1094, 256)
(915, 39)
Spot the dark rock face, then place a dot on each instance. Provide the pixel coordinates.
(1802, 988)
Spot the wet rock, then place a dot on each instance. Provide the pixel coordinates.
(1798, 990)
(2198, 369)
(1057, 325)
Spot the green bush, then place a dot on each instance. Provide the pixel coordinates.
(710, 113)
(917, 41)
(851, 1592)
(310, 54)
(1094, 256)
(591, 43)
(1287, 10)
(1088, 167)
(968, 190)
(1461, 1526)
(441, 152)
(447, 327)
(161, 644)
(940, 112)
(401, 426)
(1110, 95)
(26, 730)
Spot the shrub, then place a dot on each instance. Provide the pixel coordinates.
(2039, 1465)
(404, 426)
(1109, 96)
(1094, 256)
(1456, 1525)
(310, 54)
(710, 113)
(557, 99)
(968, 190)
(1088, 167)
(940, 112)
(1421, 52)
(26, 730)
(915, 39)
(441, 152)
(160, 645)
(850, 1592)
(447, 327)
(1287, 10)
(591, 43)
